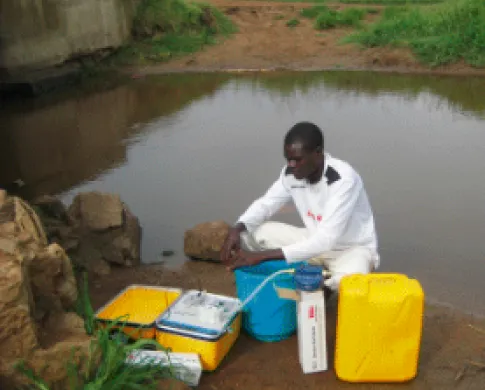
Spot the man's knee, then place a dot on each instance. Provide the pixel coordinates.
(353, 261)
(274, 235)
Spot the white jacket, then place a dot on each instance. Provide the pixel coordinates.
(336, 211)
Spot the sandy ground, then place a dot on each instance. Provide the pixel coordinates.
(452, 351)
(264, 42)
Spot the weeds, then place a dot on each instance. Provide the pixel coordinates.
(440, 35)
(293, 22)
(163, 29)
(313, 12)
(326, 17)
(84, 309)
(392, 2)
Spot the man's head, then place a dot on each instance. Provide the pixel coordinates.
(303, 149)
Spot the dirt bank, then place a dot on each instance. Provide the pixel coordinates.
(264, 42)
(451, 355)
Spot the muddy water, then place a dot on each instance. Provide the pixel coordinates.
(186, 149)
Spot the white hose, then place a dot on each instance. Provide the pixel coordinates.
(263, 283)
(325, 273)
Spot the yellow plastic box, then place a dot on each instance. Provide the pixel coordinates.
(379, 326)
(212, 345)
(138, 306)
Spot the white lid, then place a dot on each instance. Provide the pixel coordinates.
(200, 314)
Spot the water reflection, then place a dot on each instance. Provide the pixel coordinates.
(52, 147)
(190, 148)
(465, 94)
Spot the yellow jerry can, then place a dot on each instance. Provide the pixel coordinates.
(379, 327)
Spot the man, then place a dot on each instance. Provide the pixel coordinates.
(329, 195)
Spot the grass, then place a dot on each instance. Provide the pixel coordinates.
(163, 29)
(391, 2)
(440, 35)
(293, 22)
(313, 12)
(299, 1)
(104, 367)
(326, 18)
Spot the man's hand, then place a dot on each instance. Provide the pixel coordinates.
(232, 244)
(243, 259)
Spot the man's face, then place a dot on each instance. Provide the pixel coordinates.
(301, 162)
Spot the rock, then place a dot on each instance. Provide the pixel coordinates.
(18, 216)
(52, 280)
(51, 363)
(101, 268)
(37, 288)
(7, 245)
(3, 197)
(114, 238)
(97, 211)
(59, 327)
(205, 240)
(132, 231)
(51, 207)
(7, 211)
(18, 336)
(69, 322)
(7, 229)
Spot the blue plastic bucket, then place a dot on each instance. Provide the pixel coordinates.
(267, 317)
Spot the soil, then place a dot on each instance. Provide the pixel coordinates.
(264, 42)
(452, 352)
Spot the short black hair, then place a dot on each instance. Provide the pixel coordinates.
(309, 134)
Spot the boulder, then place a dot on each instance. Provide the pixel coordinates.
(96, 230)
(18, 331)
(51, 362)
(103, 230)
(52, 280)
(37, 294)
(204, 241)
(97, 211)
(50, 207)
(18, 219)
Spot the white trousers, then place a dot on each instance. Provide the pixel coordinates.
(274, 235)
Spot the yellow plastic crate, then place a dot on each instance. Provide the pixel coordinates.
(211, 347)
(379, 327)
(139, 306)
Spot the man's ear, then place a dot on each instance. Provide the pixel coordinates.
(318, 150)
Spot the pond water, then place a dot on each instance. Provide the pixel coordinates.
(184, 149)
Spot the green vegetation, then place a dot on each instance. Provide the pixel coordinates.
(391, 2)
(163, 29)
(104, 367)
(438, 35)
(299, 1)
(293, 22)
(326, 17)
(313, 12)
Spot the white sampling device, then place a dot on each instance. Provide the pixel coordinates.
(200, 312)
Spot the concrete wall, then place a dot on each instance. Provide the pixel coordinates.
(41, 33)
